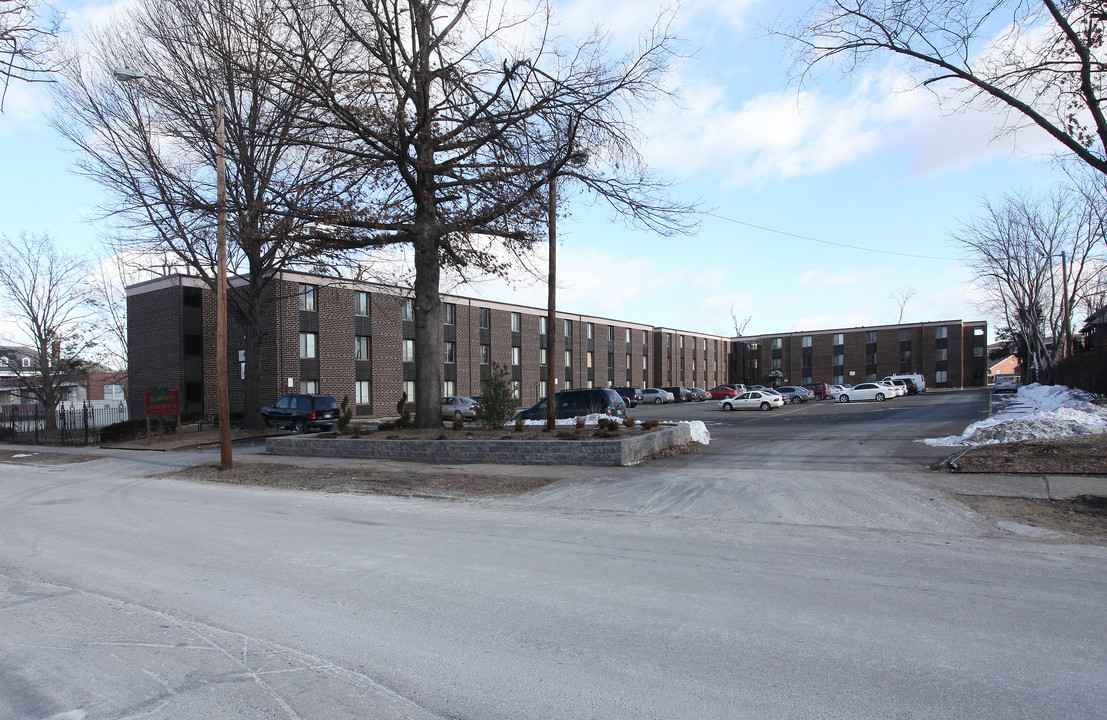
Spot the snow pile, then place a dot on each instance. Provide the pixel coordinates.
(1038, 412)
(700, 433)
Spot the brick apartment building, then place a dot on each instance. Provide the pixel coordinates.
(356, 339)
(949, 354)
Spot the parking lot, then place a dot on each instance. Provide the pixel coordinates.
(827, 434)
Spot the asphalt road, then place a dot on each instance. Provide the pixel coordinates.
(692, 587)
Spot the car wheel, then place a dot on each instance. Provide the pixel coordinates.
(727, 406)
(766, 406)
(298, 425)
(843, 398)
(657, 401)
(796, 400)
(458, 415)
(880, 397)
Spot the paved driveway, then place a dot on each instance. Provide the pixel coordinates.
(713, 591)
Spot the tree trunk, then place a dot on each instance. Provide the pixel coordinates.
(255, 335)
(428, 354)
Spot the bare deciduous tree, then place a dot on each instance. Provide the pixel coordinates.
(153, 144)
(46, 296)
(463, 111)
(27, 36)
(1034, 257)
(740, 324)
(901, 297)
(116, 266)
(1040, 59)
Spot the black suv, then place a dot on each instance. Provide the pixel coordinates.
(574, 403)
(680, 393)
(630, 395)
(302, 412)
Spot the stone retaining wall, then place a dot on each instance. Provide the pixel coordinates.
(623, 451)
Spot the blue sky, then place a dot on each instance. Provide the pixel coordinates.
(857, 161)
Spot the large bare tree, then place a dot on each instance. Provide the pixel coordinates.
(28, 31)
(1035, 258)
(464, 111)
(153, 144)
(1042, 60)
(45, 293)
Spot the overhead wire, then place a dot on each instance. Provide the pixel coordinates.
(815, 239)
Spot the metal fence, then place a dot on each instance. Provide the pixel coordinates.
(70, 424)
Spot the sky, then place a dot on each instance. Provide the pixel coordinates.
(822, 202)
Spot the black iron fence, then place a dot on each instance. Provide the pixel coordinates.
(68, 425)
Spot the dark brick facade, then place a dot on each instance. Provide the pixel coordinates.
(947, 354)
(172, 344)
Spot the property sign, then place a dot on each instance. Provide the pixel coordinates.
(163, 401)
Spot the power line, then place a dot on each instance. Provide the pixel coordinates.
(827, 242)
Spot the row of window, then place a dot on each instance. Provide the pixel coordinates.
(940, 333)
(307, 302)
(839, 359)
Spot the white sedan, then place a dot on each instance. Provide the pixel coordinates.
(898, 390)
(752, 400)
(866, 391)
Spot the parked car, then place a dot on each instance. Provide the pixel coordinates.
(1006, 384)
(917, 378)
(796, 395)
(897, 390)
(631, 395)
(459, 407)
(821, 390)
(680, 393)
(699, 394)
(906, 385)
(836, 390)
(752, 400)
(656, 396)
(866, 391)
(576, 403)
(722, 392)
(301, 412)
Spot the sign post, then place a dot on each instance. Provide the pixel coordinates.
(162, 402)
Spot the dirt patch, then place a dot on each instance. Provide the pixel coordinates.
(1084, 516)
(363, 481)
(1079, 455)
(33, 457)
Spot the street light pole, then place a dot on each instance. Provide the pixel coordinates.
(576, 158)
(224, 408)
(226, 462)
(551, 322)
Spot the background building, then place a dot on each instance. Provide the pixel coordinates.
(948, 353)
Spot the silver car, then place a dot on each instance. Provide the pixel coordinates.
(656, 396)
(795, 395)
(459, 407)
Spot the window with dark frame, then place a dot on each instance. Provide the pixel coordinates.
(307, 298)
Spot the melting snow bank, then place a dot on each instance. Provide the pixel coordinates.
(1038, 412)
(700, 433)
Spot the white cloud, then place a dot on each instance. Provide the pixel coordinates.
(786, 134)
